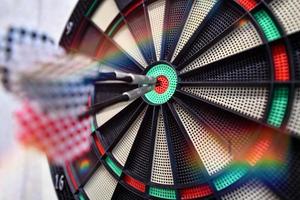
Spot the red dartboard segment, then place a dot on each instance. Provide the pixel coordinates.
(70, 174)
(196, 192)
(135, 183)
(99, 145)
(281, 62)
(260, 148)
(163, 84)
(133, 7)
(247, 4)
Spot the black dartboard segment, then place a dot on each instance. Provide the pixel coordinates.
(294, 40)
(122, 193)
(216, 23)
(139, 161)
(176, 14)
(231, 128)
(251, 66)
(139, 26)
(112, 129)
(107, 91)
(184, 156)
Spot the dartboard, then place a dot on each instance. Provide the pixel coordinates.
(224, 120)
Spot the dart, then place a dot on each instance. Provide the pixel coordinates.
(128, 77)
(126, 96)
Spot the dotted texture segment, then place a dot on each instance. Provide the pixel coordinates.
(250, 101)
(259, 148)
(294, 121)
(135, 183)
(175, 17)
(122, 149)
(99, 146)
(231, 176)
(101, 184)
(139, 160)
(285, 177)
(105, 14)
(87, 42)
(113, 166)
(109, 112)
(113, 54)
(122, 193)
(250, 66)
(279, 106)
(267, 24)
(163, 84)
(162, 193)
(222, 19)
(247, 4)
(196, 192)
(125, 40)
(161, 165)
(295, 44)
(164, 70)
(244, 37)
(111, 130)
(188, 164)
(287, 13)
(213, 154)
(234, 129)
(156, 12)
(108, 91)
(253, 189)
(281, 62)
(198, 12)
(137, 24)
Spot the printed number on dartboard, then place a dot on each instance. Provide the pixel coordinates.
(59, 182)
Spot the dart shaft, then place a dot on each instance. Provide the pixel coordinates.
(98, 107)
(127, 77)
(137, 79)
(126, 96)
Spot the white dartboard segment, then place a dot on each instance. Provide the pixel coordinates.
(109, 112)
(294, 120)
(126, 41)
(197, 14)
(287, 13)
(214, 155)
(248, 101)
(244, 37)
(105, 14)
(101, 185)
(161, 164)
(122, 149)
(156, 13)
(253, 189)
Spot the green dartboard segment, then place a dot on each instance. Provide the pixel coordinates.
(155, 98)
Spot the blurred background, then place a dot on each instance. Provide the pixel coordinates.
(49, 17)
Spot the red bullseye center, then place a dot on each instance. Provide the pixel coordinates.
(162, 84)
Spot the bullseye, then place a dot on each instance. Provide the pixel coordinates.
(162, 84)
(166, 84)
